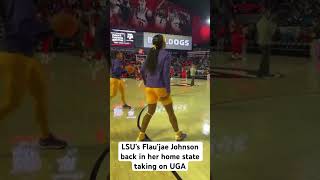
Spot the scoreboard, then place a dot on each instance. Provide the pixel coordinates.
(122, 38)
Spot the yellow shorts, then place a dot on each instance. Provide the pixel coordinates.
(20, 74)
(115, 85)
(19, 65)
(13, 59)
(153, 96)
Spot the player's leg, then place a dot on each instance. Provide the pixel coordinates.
(38, 90)
(123, 94)
(114, 85)
(192, 81)
(13, 80)
(152, 106)
(263, 62)
(168, 105)
(174, 123)
(145, 122)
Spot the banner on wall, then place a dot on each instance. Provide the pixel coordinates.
(160, 16)
(175, 42)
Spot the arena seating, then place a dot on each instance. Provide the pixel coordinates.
(295, 18)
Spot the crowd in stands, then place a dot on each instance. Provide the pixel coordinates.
(300, 12)
(295, 21)
(88, 13)
(179, 64)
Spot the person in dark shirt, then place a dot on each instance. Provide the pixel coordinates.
(20, 72)
(116, 83)
(156, 77)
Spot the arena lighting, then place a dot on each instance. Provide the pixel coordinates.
(208, 21)
(205, 32)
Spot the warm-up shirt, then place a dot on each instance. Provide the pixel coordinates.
(117, 69)
(161, 77)
(22, 28)
(266, 29)
(193, 71)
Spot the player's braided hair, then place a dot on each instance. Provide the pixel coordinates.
(152, 58)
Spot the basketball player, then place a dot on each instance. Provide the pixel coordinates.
(266, 27)
(141, 14)
(156, 78)
(20, 72)
(116, 83)
(114, 11)
(161, 16)
(175, 21)
(125, 11)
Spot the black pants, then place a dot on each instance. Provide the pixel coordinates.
(264, 69)
(192, 81)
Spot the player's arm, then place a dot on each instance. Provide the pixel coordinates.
(122, 69)
(25, 13)
(166, 73)
(111, 65)
(118, 67)
(143, 75)
(23, 19)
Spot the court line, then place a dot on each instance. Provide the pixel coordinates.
(98, 163)
(139, 127)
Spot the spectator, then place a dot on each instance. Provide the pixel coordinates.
(193, 73)
(266, 28)
(237, 40)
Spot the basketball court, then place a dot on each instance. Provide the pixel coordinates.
(266, 128)
(192, 111)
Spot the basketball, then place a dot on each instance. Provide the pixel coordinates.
(130, 69)
(64, 25)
